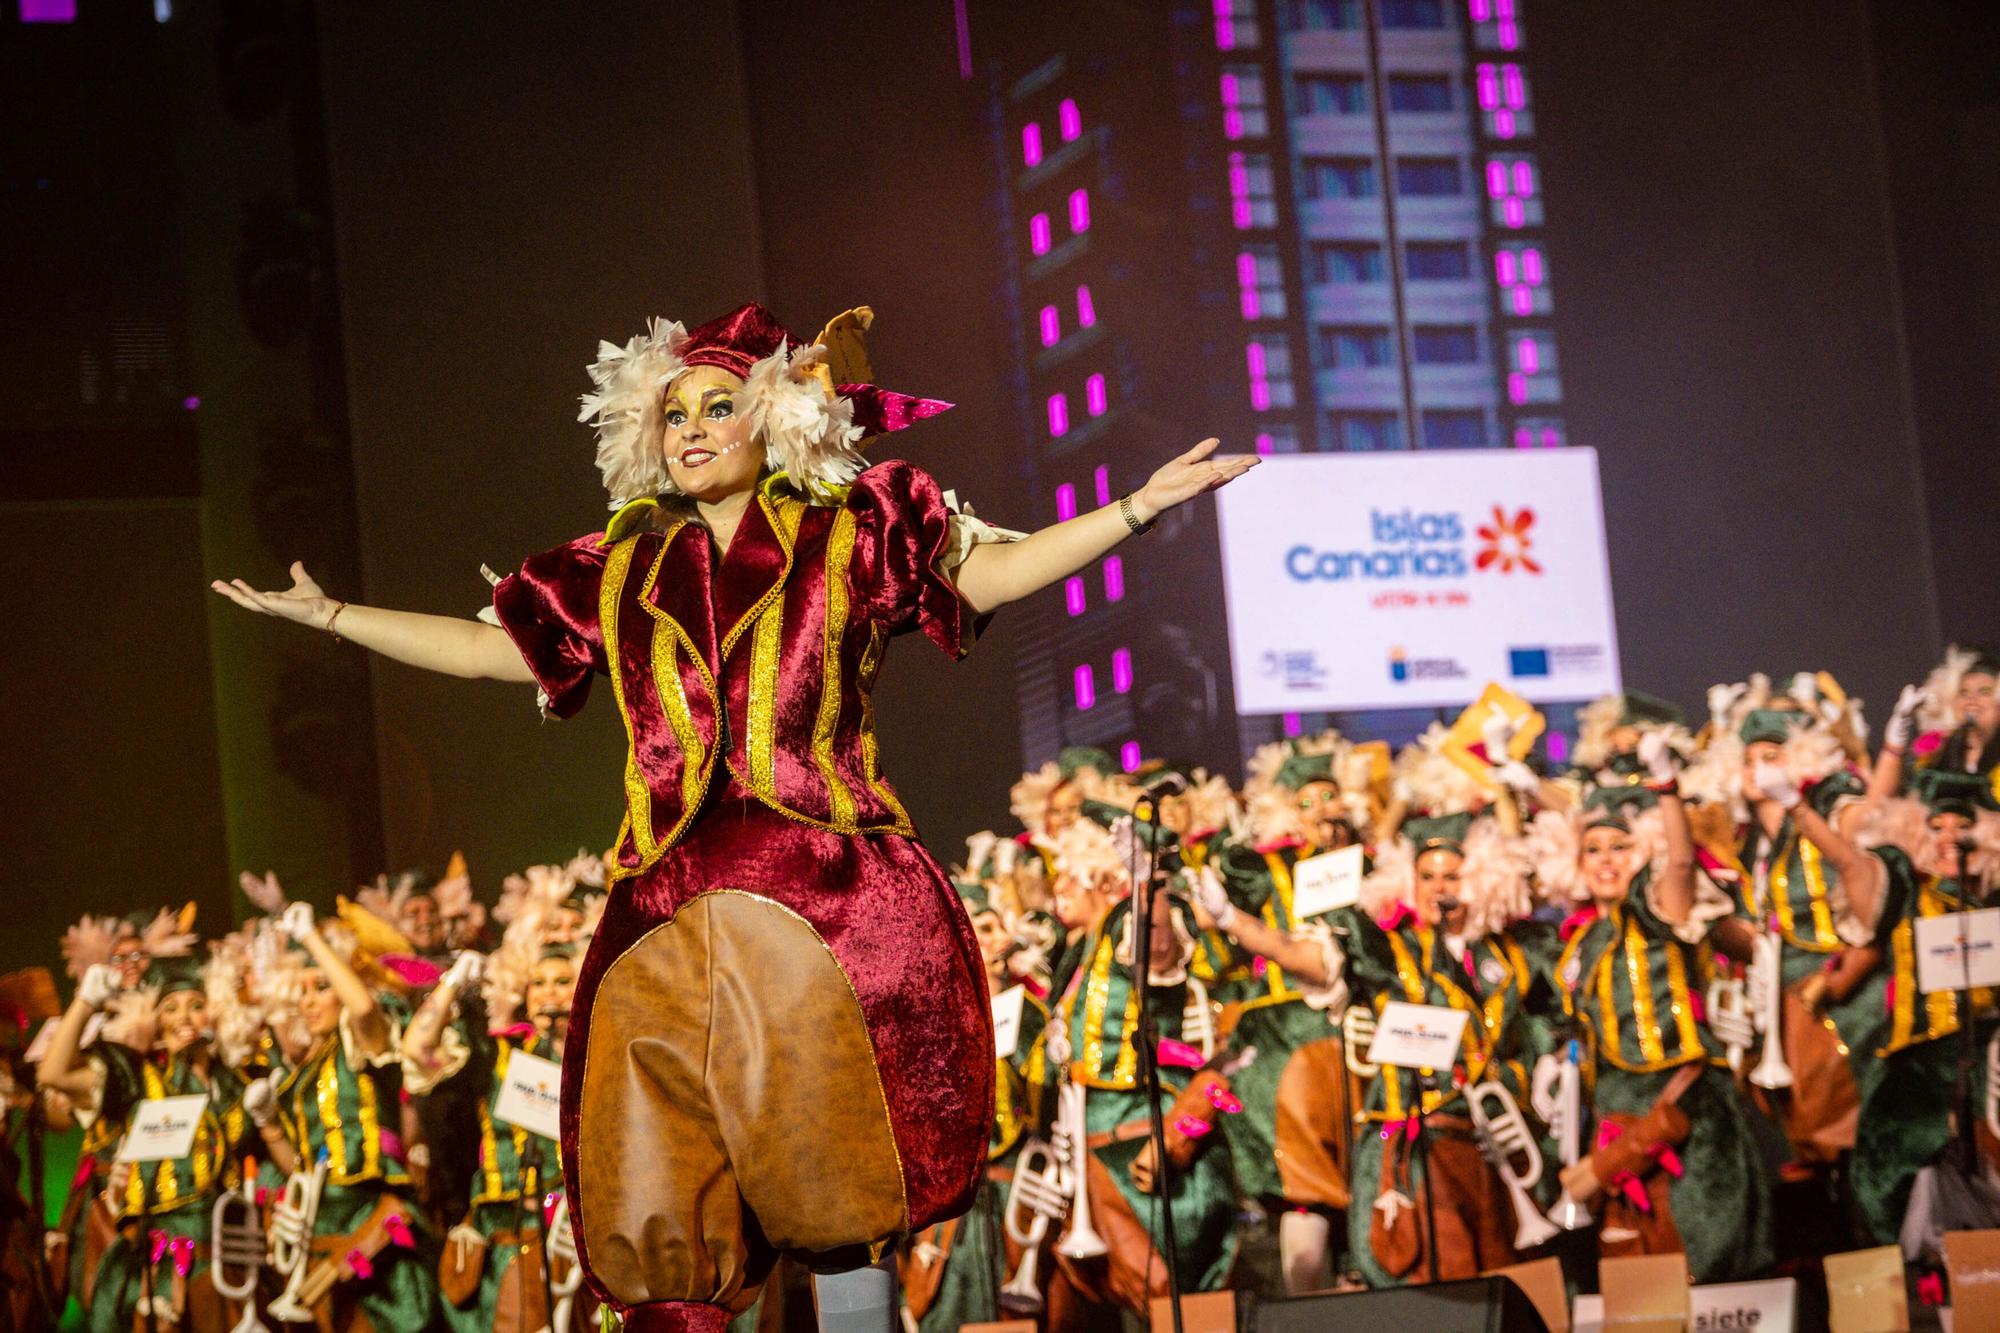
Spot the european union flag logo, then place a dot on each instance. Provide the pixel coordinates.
(1527, 662)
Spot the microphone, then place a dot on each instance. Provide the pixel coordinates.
(1165, 783)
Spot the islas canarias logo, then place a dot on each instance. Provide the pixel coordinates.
(1505, 542)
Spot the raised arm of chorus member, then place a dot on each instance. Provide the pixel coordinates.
(1861, 872)
(365, 1018)
(996, 573)
(1674, 899)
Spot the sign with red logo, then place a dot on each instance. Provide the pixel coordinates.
(1411, 580)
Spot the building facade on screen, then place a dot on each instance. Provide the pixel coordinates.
(1298, 224)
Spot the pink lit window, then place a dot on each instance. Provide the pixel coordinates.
(1517, 88)
(1292, 725)
(1130, 756)
(1079, 211)
(1531, 267)
(1503, 124)
(1102, 476)
(1524, 181)
(1558, 747)
(1260, 384)
(1517, 389)
(1086, 311)
(1051, 326)
(1496, 180)
(1038, 233)
(1065, 502)
(1523, 301)
(1068, 122)
(1086, 686)
(1114, 578)
(1093, 395)
(1232, 117)
(1246, 285)
(1487, 82)
(1524, 437)
(48, 11)
(1481, 11)
(1530, 356)
(1239, 191)
(1058, 413)
(1073, 594)
(1506, 268)
(1550, 439)
(1121, 670)
(1265, 443)
(1031, 144)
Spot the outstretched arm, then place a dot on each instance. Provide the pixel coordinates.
(996, 573)
(469, 649)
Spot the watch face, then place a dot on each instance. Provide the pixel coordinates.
(1571, 971)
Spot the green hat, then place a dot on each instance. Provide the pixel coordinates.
(1299, 769)
(173, 974)
(555, 949)
(973, 894)
(1946, 793)
(1075, 758)
(1106, 816)
(1640, 709)
(1447, 831)
(1769, 724)
(1617, 805)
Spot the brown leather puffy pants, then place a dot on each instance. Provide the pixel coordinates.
(731, 1109)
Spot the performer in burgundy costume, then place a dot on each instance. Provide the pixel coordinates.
(781, 1040)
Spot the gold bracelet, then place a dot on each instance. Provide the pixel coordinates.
(1131, 517)
(329, 623)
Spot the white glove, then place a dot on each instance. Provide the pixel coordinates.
(1775, 784)
(1804, 687)
(1735, 1027)
(1497, 731)
(1902, 725)
(1657, 756)
(297, 920)
(1517, 777)
(1722, 701)
(260, 1101)
(1542, 1096)
(100, 982)
(1212, 898)
(1764, 957)
(465, 970)
(1401, 792)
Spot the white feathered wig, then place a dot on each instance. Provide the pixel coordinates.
(810, 403)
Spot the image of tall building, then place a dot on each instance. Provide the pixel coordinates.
(1301, 225)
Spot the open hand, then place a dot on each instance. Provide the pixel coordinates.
(302, 602)
(1188, 476)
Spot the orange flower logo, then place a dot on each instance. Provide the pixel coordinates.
(1505, 542)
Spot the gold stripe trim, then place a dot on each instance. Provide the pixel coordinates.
(839, 555)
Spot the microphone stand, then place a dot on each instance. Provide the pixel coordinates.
(1148, 1039)
(1426, 1083)
(1968, 1042)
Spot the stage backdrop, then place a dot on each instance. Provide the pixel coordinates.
(1410, 580)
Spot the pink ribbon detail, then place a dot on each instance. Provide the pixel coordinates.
(181, 1247)
(1223, 1100)
(399, 1231)
(1179, 1054)
(1930, 1289)
(1407, 1128)
(1191, 1128)
(358, 1263)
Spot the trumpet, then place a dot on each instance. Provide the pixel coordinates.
(1771, 1072)
(238, 1241)
(1198, 1019)
(562, 1246)
(1357, 1034)
(1082, 1242)
(292, 1220)
(1729, 1011)
(1557, 1097)
(1038, 1196)
(1502, 1137)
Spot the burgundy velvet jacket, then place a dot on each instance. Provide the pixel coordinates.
(764, 662)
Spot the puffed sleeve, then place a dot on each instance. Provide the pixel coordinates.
(549, 610)
(906, 541)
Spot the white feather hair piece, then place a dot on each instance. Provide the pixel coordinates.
(808, 434)
(1939, 711)
(1813, 753)
(1437, 785)
(624, 407)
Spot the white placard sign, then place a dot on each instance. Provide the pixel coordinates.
(1417, 1036)
(1767, 1307)
(1008, 1006)
(162, 1129)
(1327, 881)
(1410, 580)
(1940, 963)
(531, 1095)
